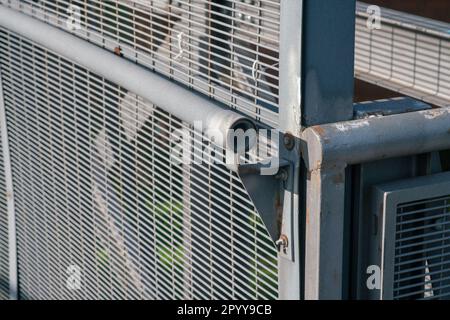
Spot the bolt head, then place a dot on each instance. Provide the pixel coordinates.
(283, 242)
(289, 141)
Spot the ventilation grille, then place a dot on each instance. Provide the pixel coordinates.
(97, 189)
(226, 49)
(422, 250)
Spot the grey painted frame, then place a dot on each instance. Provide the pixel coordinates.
(386, 199)
(289, 280)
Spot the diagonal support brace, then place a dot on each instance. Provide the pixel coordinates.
(267, 192)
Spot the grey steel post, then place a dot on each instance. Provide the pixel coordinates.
(12, 238)
(328, 61)
(324, 228)
(290, 122)
(327, 97)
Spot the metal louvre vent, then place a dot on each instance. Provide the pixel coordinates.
(97, 191)
(408, 54)
(422, 250)
(227, 49)
(4, 256)
(408, 238)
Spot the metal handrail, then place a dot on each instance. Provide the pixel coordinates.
(182, 103)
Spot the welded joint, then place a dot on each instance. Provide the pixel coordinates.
(327, 150)
(337, 145)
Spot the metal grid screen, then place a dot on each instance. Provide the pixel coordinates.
(227, 49)
(97, 192)
(408, 54)
(422, 250)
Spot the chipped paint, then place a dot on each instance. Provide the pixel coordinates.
(348, 126)
(320, 131)
(338, 178)
(436, 113)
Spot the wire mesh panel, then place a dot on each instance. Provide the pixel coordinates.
(104, 208)
(422, 250)
(4, 256)
(227, 49)
(408, 239)
(405, 53)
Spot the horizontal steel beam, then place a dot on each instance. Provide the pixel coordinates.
(359, 141)
(405, 53)
(175, 99)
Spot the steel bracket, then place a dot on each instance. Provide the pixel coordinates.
(268, 193)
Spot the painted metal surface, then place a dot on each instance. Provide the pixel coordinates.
(359, 141)
(324, 230)
(387, 107)
(327, 97)
(290, 110)
(9, 189)
(327, 61)
(410, 239)
(328, 150)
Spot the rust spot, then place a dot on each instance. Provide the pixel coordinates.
(319, 164)
(320, 131)
(285, 241)
(338, 178)
(307, 216)
(289, 141)
(118, 51)
(433, 113)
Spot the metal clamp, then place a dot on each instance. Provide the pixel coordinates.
(267, 193)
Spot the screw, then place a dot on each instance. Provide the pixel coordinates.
(282, 243)
(282, 175)
(289, 141)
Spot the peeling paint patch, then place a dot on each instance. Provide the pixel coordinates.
(320, 131)
(343, 127)
(435, 113)
(338, 178)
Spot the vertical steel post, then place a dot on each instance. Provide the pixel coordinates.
(324, 228)
(328, 61)
(290, 122)
(12, 240)
(327, 97)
